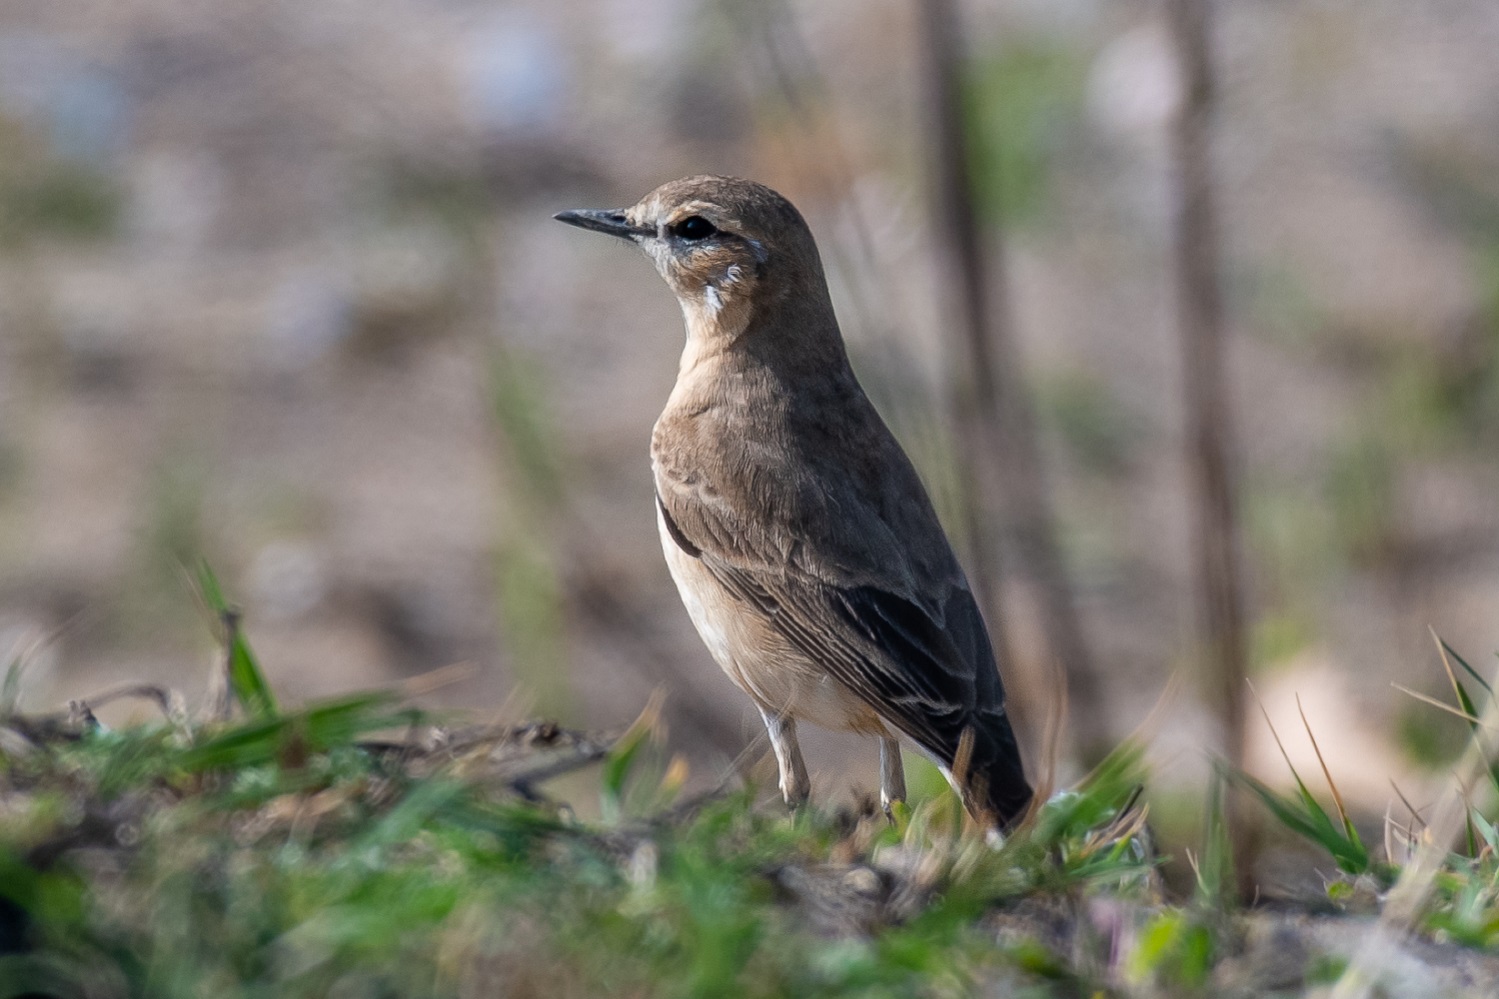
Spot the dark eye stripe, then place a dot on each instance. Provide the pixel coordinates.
(693, 228)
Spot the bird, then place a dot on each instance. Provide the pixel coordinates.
(801, 540)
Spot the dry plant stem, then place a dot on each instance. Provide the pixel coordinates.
(221, 685)
(436, 679)
(995, 424)
(975, 383)
(172, 704)
(1209, 417)
(1405, 902)
(1433, 702)
(1332, 785)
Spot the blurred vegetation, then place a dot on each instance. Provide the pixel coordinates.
(1278, 635)
(1359, 487)
(1096, 429)
(43, 195)
(1429, 738)
(530, 584)
(1455, 387)
(1023, 105)
(12, 464)
(172, 536)
(459, 199)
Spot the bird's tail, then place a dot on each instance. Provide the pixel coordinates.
(987, 769)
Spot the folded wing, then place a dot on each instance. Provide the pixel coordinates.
(926, 667)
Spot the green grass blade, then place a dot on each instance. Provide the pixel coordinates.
(10, 687)
(1310, 820)
(245, 676)
(1466, 668)
(208, 586)
(1096, 799)
(1215, 872)
(1485, 829)
(425, 799)
(315, 729)
(1465, 702)
(246, 680)
(623, 757)
(616, 771)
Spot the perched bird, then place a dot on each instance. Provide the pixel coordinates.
(801, 540)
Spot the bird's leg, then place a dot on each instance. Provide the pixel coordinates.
(795, 786)
(892, 775)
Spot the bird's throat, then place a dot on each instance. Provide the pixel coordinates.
(715, 317)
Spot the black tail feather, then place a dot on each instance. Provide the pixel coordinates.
(995, 788)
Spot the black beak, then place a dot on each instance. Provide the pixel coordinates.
(603, 220)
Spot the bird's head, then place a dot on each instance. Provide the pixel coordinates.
(729, 248)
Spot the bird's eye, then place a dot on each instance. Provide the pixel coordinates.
(693, 228)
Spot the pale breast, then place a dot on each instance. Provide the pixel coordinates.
(778, 677)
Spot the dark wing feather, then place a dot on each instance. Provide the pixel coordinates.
(845, 633)
(883, 648)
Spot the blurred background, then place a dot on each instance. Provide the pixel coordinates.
(279, 287)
